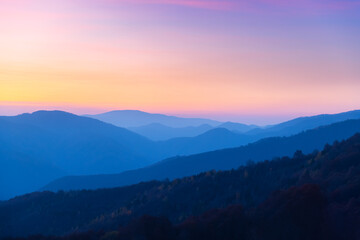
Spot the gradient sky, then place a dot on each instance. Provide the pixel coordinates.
(258, 61)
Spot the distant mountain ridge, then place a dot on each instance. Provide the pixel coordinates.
(136, 118)
(47, 145)
(219, 160)
(161, 127)
(237, 127)
(304, 123)
(214, 139)
(159, 132)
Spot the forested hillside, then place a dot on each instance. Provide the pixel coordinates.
(315, 196)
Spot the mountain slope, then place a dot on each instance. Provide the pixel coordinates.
(55, 144)
(300, 192)
(214, 139)
(220, 160)
(250, 133)
(59, 143)
(135, 118)
(46, 145)
(237, 127)
(159, 132)
(303, 123)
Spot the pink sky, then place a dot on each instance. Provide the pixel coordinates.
(259, 61)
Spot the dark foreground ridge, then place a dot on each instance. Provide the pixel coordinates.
(315, 196)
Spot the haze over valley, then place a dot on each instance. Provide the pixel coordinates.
(179, 120)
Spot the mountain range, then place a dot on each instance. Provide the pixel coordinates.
(175, 167)
(38, 148)
(135, 118)
(314, 196)
(303, 123)
(160, 127)
(44, 145)
(159, 132)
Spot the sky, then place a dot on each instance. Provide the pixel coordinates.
(258, 61)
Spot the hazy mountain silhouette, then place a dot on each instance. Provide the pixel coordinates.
(52, 144)
(159, 132)
(135, 118)
(41, 146)
(46, 145)
(237, 127)
(213, 139)
(220, 160)
(303, 123)
(151, 125)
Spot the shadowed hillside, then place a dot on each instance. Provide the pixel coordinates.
(40, 147)
(275, 197)
(46, 145)
(214, 139)
(36, 148)
(220, 160)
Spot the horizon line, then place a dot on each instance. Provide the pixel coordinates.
(184, 115)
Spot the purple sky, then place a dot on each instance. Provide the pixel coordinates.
(258, 61)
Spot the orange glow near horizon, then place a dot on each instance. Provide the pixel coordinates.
(164, 57)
